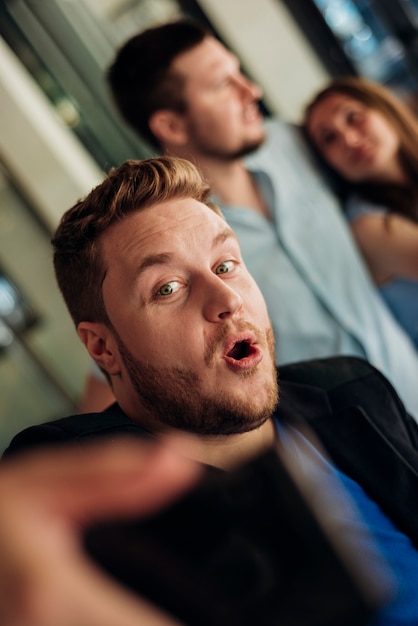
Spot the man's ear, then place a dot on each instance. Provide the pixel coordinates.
(101, 345)
(169, 127)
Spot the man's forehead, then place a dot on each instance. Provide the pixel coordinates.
(164, 237)
(170, 220)
(209, 54)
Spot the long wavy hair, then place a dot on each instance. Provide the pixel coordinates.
(399, 198)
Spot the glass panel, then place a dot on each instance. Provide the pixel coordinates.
(16, 313)
(411, 9)
(67, 46)
(27, 394)
(37, 382)
(373, 49)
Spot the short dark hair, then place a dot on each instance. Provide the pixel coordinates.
(140, 77)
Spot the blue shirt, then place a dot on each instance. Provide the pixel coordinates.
(320, 297)
(400, 294)
(371, 531)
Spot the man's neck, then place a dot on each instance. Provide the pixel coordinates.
(231, 183)
(223, 451)
(228, 451)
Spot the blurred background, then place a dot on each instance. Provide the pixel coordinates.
(59, 132)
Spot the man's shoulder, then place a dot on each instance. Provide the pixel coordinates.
(285, 148)
(75, 429)
(324, 387)
(345, 390)
(279, 135)
(358, 418)
(330, 372)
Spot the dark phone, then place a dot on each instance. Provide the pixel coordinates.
(244, 548)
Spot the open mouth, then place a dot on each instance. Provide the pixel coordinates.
(240, 350)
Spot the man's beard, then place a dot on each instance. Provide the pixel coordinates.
(211, 149)
(242, 152)
(174, 396)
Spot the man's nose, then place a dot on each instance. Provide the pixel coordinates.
(221, 301)
(249, 88)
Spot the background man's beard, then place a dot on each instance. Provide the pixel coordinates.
(244, 150)
(174, 397)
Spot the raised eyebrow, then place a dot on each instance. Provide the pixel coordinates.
(162, 258)
(224, 235)
(233, 58)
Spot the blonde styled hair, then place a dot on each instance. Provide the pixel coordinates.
(135, 185)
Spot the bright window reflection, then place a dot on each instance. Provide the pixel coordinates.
(373, 50)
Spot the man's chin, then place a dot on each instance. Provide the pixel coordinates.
(249, 147)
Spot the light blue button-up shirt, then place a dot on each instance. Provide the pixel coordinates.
(320, 297)
(400, 294)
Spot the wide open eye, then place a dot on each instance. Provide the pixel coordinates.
(168, 288)
(225, 267)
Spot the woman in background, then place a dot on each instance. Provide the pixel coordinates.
(369, 139)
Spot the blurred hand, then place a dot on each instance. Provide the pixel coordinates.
(47, 498)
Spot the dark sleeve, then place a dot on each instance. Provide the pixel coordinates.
(37, 436)
(363, 426)
(75, 430)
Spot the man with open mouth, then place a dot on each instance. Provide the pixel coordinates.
(155, 282)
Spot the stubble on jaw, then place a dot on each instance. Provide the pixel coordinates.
(213, 150)
(229, 157)
(173, 396)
